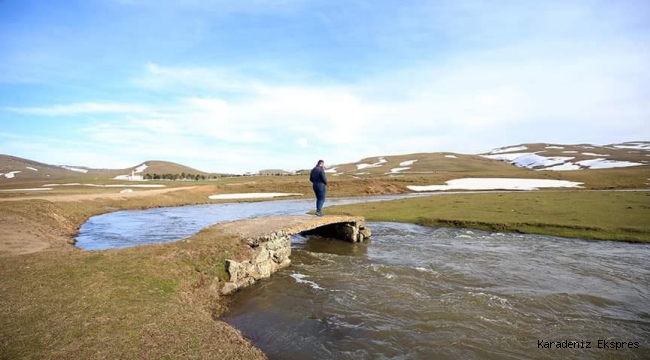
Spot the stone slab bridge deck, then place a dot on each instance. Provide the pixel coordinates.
(270, 241)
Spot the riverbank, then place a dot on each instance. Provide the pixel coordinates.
(162, 300)
(155, 301)
(598, 215)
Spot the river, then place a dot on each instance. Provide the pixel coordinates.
(423, 293)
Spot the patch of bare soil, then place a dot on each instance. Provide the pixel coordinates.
(383, 189)
(81, 197)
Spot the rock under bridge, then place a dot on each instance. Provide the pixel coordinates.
(270, 241)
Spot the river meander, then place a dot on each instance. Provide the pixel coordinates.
(422, 293)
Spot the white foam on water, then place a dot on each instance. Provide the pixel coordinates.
(300, 279)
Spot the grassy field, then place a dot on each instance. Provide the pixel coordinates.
(157, 301)
(161, 301)
(607, 215)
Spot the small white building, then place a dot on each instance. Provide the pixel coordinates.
(132, 177)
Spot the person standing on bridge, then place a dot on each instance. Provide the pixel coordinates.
(319, 181)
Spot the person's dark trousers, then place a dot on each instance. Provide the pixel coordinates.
(319, 190)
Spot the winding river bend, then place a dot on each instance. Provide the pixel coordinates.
(423, 293)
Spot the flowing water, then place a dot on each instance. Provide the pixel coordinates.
(423, 293)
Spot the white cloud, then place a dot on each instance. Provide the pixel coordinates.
(83, 108)
(222, 119)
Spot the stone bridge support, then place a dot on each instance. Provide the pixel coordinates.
(269, 240)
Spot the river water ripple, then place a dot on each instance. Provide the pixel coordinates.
(413, 292)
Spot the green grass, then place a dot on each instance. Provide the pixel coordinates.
(592, 215)
(157, 301)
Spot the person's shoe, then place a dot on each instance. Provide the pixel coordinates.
(318, 213)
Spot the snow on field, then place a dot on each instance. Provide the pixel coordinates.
(559, 163)
(564, 167)
(555, 147)
(32, 189)
(534, 160)
(506, 157)
(249, 196)
(451, 156)
(588, 147)
(141, 168)
(126, 191)
(606, 164)
(592, 154)
(11, 174)
(637, 146)
(510, 149)
(74, 169)
(380, 162)
(331, 171)
(570, 152)
(496, 184)
(407, 163)
(397, 170)
(111, 185)
(31, 168)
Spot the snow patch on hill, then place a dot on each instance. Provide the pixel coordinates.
(407, 163)
(636, 146)
(398, 169)
(31, 168)
(497, 184)
(11, 174)
(564, 167)
(74, 169)
(606, 164)
(534, 161)
(507, 150)
(559, 163)
(379, 163)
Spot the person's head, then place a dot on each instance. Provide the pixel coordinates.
(321, 163)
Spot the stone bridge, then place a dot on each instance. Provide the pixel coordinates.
(269, 240)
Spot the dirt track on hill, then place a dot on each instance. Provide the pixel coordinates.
(81, 197)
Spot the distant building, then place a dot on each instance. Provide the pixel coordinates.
(132, 177)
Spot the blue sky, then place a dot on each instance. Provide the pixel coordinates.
(240, 86)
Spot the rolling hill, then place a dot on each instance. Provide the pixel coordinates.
(555, 157)
(522, 160)
(536, 156)
(13, 168)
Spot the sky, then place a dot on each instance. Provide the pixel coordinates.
(240, 86)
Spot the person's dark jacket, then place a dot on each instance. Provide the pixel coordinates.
(317, 176)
